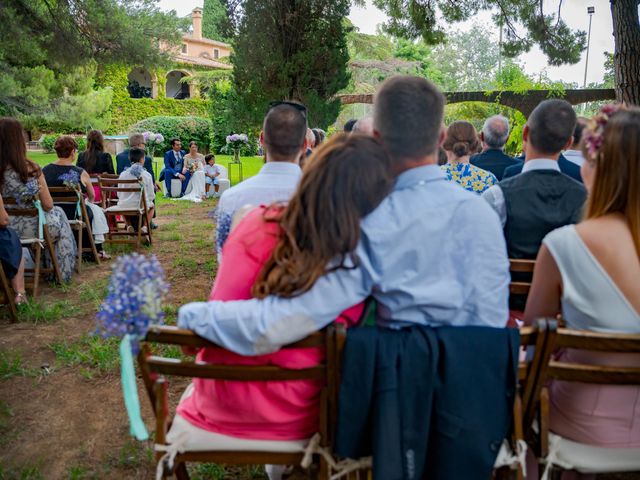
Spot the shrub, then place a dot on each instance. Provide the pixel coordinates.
(49, 140)
(185, 128)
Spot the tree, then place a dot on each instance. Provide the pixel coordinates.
(302, 56)
(417, 18)
(48, 52)
(215, 20)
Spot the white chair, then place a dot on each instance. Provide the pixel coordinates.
(223, 180)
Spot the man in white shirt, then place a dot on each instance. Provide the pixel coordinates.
(283, 139)
(574, 154)
(136, 171)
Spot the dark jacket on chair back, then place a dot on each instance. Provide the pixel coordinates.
(538, 201)
(427, 401)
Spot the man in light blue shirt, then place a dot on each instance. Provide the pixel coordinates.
(283, 139)
(430, 254)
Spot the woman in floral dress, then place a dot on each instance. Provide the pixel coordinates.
(22, 179)
(462, 142)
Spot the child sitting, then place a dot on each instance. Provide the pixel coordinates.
(137, 172)
(211, 173)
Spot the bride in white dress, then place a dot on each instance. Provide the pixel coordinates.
(194, 161)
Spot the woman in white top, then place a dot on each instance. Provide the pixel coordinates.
(194, 161)
(590, 273)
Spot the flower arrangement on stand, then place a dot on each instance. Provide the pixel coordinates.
(152, 140)
(235, 143)
(134, 302)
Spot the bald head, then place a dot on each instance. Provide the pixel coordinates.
(364, 126)
(284, 131)
(495, 131)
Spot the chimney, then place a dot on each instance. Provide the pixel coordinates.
(196, 19)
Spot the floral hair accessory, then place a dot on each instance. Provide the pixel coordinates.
(593, 134)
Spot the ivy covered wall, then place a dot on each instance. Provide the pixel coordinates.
(126, 111)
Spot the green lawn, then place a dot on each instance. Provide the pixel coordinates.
(250, 165)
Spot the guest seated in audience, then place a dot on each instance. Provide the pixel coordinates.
(136, 140)
(283, 251)
(494, 136)
(319, 136)
(212, 172)
(66, 148)
(283, 138)
(311, 143)
(364, 126)
(11, 256)
(174, 167)
(432, 253)
(94, 160)
(137, 172)
(17, 174)
(461, 141)
(574, 153)
(590, 273)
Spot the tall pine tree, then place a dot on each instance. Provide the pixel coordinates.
(214, 15)
(291, 50)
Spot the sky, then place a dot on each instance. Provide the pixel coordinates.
(574, 12)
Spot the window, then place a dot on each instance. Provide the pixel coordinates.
(216, 53)
(184, 48)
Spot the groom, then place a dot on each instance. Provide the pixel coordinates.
(174, 167)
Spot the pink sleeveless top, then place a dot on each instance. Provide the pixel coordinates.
(255, 410)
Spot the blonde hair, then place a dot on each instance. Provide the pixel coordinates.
(616, 186)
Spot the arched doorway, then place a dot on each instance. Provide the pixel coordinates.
(141, 84)
(175, 88)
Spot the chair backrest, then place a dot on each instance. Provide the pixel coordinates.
(523, 270)
(224, 173)
(111, 185)
(592, 372)
(15, 210)
(330, 340)
(65, 196)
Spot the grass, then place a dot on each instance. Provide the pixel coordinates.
(11, 366)
(24, 473)
(93, 354)
(37, 312)
(94, 292)
(170, 236)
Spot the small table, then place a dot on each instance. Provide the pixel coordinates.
(237, 162)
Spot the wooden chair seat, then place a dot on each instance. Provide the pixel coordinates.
(154, 368)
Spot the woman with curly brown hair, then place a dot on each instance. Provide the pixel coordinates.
(283, 251)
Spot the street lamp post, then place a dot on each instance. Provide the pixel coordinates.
(590, 11)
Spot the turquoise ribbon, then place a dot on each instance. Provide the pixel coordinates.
(130, 390)
(42, 219)
(141, 194)
(78, 208)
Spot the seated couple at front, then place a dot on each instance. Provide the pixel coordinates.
(196, 173)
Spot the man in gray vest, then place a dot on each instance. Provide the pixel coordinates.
(541, 198)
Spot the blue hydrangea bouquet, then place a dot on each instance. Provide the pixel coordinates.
(134, 302)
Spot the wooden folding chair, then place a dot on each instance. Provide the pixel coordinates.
(522, 283)
(558, 370)
(6, 295)
(36, 244)
(116, 216)
(68, 196)
(154, 368)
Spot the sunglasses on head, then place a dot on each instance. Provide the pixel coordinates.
(298, 106)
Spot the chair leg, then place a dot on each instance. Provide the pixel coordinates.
(181, 471)
(52, 254)
(79, 254)
(36, 269)
(8, 292)
(92, 244)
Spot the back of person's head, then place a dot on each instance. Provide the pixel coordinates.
(495, 131)
(13, 151)
(284, 130)
(616, 184)
(408, 116)
(581, 123)
(346, 179)
(551, 126)
(364, 126)
(461, 139)
(319, 134)
(348, 126)
(136, 139)
(65, 145)
(311, 138)
(95, 146)
(136, 155)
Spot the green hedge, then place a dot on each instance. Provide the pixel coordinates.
(48, 141)
(126, 111)
(186, 129)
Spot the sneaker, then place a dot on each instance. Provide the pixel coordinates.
(154, 226)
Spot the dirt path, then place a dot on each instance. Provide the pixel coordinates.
(61, 409)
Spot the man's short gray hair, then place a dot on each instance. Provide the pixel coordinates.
(496, 131)
(135, 139)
